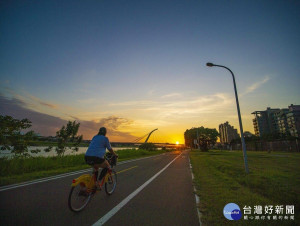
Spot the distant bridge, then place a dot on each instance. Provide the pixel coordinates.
(141, 138)
(138, 141)
(135, 145)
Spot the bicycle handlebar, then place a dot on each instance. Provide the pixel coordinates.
(112, 159)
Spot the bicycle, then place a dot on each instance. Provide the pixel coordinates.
(86, 186)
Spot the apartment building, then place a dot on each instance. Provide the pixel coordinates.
(277, 121)
(265, 122)
(281, 121)
(227, 133)
(293, 120)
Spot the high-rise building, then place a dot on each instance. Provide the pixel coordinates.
(265, 122)
(227, 133)
(293, 120)
(284, 121)
(281, 121)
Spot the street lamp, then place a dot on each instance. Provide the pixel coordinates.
(239, 114)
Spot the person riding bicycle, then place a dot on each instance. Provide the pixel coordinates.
(95, 153)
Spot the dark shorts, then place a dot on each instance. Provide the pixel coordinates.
(92, 160)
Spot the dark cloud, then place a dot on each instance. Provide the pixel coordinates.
(48, 104)
(112, 124)
(43, 124)
(47, 125)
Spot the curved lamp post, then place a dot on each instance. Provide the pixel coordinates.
(239, 114)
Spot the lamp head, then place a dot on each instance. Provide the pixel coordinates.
(210, 64)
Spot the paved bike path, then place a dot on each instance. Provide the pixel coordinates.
(167, 200)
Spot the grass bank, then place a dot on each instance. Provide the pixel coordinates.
(220, 178)
(24, 169)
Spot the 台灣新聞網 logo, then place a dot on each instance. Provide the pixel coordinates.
(232, 211)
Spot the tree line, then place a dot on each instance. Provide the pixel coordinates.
(204, 138)
(13, 138)
(200, 137)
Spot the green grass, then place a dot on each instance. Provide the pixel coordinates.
(220, 178)
(24, 169)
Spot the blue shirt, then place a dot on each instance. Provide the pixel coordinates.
(98, 146)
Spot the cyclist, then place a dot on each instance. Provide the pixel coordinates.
(95, 153)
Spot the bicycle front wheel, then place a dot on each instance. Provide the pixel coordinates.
(79, 197)
(111, 183)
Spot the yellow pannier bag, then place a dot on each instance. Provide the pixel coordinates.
(85, 180)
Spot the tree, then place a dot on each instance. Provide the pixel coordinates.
(68, 134)
(11, 137)
(189, 136)
(206, 137)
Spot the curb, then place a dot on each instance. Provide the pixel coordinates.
(196, 196)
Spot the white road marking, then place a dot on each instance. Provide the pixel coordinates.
(196, 196)
(8, 187)
(113, 211)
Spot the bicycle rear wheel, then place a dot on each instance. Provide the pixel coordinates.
(111, 183)
(79, 197)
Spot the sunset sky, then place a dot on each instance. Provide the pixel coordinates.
(134, 66)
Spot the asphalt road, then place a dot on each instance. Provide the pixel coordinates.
(150, 191)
